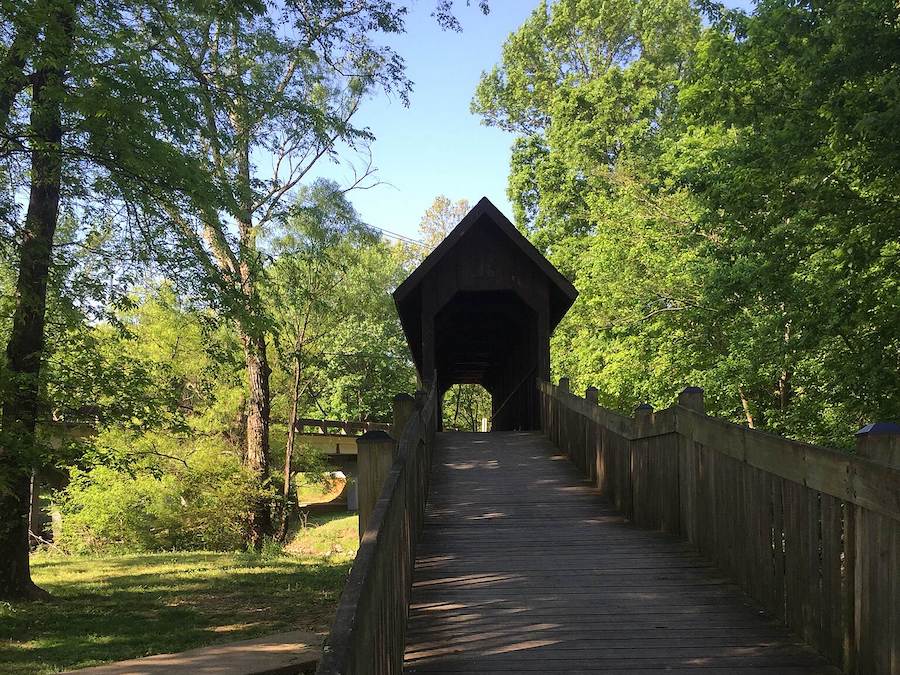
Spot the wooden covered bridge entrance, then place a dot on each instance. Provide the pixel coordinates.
(593, 541)
(480, 310)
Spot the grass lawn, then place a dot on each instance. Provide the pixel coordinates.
(110, 608)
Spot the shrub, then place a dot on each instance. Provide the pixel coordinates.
(202, 502)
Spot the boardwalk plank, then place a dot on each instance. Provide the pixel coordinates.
(522, 566)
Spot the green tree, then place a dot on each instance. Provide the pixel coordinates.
(71, 126)
(790, 145)
(288, 95)
(367, 360)
(590, 90)
(161, 467)
(437, 221)
(312, 252)
(465, 405)
(47, 65)
(723, 198)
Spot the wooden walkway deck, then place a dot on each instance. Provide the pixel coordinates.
(524, 568)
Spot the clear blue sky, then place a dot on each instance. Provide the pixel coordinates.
(436, 146)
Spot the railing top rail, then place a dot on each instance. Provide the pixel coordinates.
(322, 425)
(309, 421)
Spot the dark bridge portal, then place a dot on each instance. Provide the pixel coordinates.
(480, 310)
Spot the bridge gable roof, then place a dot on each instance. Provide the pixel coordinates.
(563, 293)
(483, 234)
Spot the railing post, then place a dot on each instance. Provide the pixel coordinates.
(687, 474)
(590, 395)
(419, 403)
(404, 407)
(642, 419)
(880, 442)
(563, 384)
(375, 455)
(692, 398)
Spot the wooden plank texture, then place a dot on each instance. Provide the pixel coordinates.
(523, 567)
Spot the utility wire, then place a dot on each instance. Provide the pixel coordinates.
(401, 237)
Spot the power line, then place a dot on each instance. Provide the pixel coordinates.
(401, 237)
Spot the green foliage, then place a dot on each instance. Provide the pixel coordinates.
(437, 222)
(724, 198)
(366, 360)
(800, 203)
(336, 326)
(590, 89)
(200, 503)
(166, 382)
(464, 406)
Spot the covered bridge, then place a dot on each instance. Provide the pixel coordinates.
(480, 310)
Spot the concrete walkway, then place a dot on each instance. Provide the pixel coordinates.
(280, 654)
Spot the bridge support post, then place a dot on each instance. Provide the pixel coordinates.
(692, 398)
(375, 454)
(880, 442)
(643, 415)
(404, 407)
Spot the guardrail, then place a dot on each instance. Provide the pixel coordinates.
(348, 428)
(811, 533)
(369, 630)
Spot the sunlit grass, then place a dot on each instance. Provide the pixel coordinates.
(109, 608)
(334, 537)
(310, 490)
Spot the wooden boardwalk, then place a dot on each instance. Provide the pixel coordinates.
(522, 567)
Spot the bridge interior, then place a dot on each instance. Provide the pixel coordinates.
(523, 567)
(487, 338)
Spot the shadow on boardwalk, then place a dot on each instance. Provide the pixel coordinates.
(524, 567)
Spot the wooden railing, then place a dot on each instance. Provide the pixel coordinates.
(812, 534)
(339, 426)
(369, 630)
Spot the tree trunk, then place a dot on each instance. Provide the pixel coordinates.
(24, 351)
(784, 389)
(745, 404)
(253, 334)
(256, 456)
(289, 453)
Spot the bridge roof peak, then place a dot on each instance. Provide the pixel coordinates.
(485, 214)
